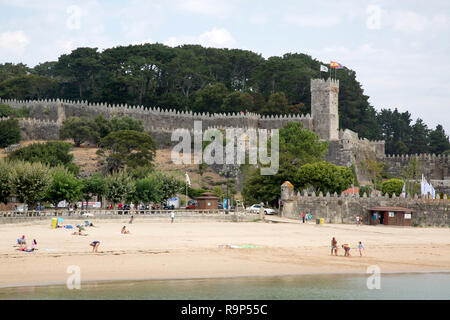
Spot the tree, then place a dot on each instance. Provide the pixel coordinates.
(52, 153)
(125, 123)
(5, 181)
(373, 170)
(210, 98)
(78, 129)
(297, 147)
(392, 186)
(81, 65)
(7, 111)
(420, 142)
(94, 186)
(64, 186)
(149, 190)
(277, 104)
(30, 181)
(127, 148)
(9, 132)
(237, 101)
(170, 185)
(323, 176)
(119, 187)
(439, 141)
(28, 87)
(411, 172)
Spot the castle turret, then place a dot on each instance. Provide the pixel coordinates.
(324, 108)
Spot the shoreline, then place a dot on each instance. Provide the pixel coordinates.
(110, 281)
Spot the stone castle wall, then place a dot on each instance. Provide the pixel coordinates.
(433, 167)
(344, 209)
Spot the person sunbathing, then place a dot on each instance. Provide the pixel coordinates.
(33, 247)
(124, 231)
(79, 233)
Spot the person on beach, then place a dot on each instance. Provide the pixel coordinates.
(357, 220)
(124, 231)
(361, 248)
(303, 217)
(360, 220)
(334, 246)
(33, 247)
(22, 242)
(95, 245)
(79, 233)
(172, 216)
(131, 220)
(346, 248)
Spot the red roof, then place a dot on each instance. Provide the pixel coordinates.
(352, 191)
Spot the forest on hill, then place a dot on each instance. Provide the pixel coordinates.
(192, 77)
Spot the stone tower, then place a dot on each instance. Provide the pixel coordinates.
(324, 108)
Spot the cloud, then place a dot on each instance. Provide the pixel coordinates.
(258, 19)
(14, 41)
(218, 8)
(216, 38)
(312, 21)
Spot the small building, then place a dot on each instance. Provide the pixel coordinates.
(207, 201)
(393, 216)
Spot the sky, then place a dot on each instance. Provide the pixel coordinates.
(399, 49)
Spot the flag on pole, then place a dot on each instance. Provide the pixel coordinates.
(336, 65)
(188, 181)
(323, 68)
(426, 188)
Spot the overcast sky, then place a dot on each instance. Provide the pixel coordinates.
(400, 50)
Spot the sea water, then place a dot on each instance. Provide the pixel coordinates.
(336, 286)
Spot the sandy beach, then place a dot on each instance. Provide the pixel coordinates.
(188, 249)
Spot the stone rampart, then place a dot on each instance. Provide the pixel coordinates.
(344, 208)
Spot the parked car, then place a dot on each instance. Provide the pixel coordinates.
(168, 207)
(255, 209)
(192, 204)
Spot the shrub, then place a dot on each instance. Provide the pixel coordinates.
(9, 132)
(392, 186)
(53, 153)
(365, 189)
